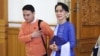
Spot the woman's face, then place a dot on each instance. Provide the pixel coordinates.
(60, 13)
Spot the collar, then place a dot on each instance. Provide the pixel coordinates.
(33, 21)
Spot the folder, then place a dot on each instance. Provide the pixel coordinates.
(57, 40)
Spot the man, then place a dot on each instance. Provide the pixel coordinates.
(30, 35)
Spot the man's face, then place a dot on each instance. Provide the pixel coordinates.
(28, 16)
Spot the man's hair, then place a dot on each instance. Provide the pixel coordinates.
(28, 7)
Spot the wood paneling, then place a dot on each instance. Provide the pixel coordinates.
(1, 9)
(87, 25)
(90, 32)
(90, 12)
(73, 11)
(2, 47)
(3, 27)
(15, 48)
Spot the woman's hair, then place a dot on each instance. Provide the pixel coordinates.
(29, 7)
(64, 6)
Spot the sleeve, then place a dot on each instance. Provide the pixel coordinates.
(59, 47)
(72, 38)
(46, 29)
(48, 32)
(22, 37)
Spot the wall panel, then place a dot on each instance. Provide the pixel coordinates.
(3, 27)
(15, 48)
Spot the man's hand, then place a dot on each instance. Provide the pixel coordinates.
(36, 34)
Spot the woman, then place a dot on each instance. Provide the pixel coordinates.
(64, 31)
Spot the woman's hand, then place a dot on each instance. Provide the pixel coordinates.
(54, 47)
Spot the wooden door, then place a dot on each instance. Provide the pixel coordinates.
(3, 27)
(85, 14)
